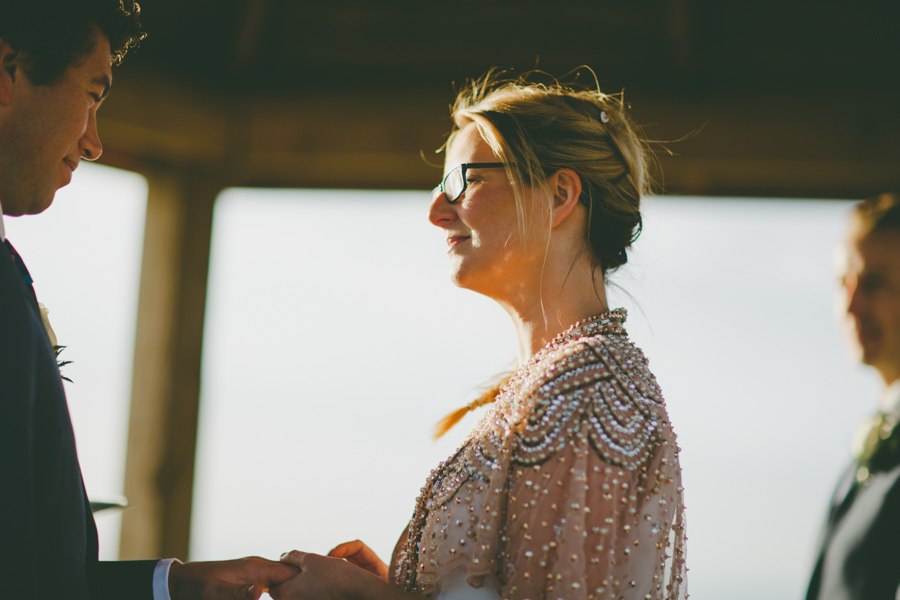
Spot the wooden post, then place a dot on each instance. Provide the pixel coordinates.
(162, 433)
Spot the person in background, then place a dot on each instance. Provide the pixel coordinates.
(569, 487)
(55, 71)
(859, 556)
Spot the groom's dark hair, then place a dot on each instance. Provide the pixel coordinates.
(54, 34)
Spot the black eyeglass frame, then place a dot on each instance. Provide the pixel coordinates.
(463, 167)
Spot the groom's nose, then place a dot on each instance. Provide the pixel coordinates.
(857, 297)
(89, 144)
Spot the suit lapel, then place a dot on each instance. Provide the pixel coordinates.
(844, 495)
(23, 271)
(841, 501)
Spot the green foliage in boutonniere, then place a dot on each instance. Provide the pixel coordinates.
(61, 363)
(887, 453)
(877, 448)
(51, 335)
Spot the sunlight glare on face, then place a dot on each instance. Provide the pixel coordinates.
(482, 226)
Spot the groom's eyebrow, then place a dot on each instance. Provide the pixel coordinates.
(104, 81)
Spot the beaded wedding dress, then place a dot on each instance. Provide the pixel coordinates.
(569, 487)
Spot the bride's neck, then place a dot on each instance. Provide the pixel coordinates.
(547, 313)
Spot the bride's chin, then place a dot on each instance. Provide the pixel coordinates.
(456, 280)
(466, 279)
(459, 278)
(471, 275)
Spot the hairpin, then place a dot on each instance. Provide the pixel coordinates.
(604, 118)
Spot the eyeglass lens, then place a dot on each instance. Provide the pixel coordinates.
(454, 184)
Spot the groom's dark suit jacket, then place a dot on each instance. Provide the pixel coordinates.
(859, 558)
(48, 540)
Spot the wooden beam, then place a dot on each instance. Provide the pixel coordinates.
(813, 145)
(761, 178)
(162, 433)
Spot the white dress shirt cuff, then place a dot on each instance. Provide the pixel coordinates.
(2, 230)
(161, 578)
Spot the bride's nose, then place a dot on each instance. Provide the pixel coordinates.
(441, 212)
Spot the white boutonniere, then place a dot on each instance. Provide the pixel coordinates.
(51, 335)
(46, 319)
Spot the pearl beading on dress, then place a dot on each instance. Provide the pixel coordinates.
(583, 410)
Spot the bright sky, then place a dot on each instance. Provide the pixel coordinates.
(334, 341)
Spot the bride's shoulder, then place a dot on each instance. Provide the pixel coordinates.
(599, 386)
(584, 368)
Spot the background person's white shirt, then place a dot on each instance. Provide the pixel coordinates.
(889, 402)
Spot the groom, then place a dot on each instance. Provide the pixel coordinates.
(55, 58)
(859, 558)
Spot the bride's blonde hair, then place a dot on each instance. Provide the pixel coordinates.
(536, 129)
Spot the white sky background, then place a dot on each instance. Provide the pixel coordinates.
(334, 341)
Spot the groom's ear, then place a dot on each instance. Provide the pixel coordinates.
(10, 71)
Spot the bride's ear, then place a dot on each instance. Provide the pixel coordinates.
(565, 186)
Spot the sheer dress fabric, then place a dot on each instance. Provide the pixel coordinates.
(569, 487)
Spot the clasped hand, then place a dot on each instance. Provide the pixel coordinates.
(351, 570)
(241, 579)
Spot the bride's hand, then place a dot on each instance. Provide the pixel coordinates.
(357, 553)
(323, 578)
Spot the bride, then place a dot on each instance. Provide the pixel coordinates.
(570, 486)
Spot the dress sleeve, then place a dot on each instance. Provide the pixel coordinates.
(569, 488)
(581, 527)
(594, 506)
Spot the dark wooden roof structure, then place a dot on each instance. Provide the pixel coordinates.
(783, 98)
(777, 99)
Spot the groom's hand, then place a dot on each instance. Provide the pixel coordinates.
(241, 579)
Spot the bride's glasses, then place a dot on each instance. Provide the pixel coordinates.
(455, 183)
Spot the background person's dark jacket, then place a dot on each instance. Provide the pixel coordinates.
(859, 558)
